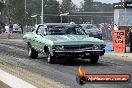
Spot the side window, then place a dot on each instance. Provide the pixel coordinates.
(41, 30)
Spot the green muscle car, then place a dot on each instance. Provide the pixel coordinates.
(65, 41)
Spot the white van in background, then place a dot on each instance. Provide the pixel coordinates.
(16, 28)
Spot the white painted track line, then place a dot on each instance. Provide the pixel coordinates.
(13, 81)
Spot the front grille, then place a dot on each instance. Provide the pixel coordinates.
(79, 47)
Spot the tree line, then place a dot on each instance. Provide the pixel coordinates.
(14, 10)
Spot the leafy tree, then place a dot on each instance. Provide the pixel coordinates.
(102, 7)
(1, 6)
(34, 8)
(67, 6)
(88, 6)
(52, 7)
(95, 6)
(15, 10)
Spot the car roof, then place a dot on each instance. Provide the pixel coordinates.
(57, 23)
(87, 24)
(67, 25)
(73, 25)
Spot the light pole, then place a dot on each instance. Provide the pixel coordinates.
(35, 16)
(26, 13)
(64, 14)
(42, 12)
(61, 18)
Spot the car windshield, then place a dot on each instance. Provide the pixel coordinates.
(75, 31)
(65, 31)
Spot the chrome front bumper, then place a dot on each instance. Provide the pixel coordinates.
(79, 53)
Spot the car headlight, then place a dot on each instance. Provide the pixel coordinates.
(59, 47)
(96, 47)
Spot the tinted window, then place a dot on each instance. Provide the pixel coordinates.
(65, 31)
(56, 31)
(75, 31)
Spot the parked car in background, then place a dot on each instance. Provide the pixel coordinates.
(16, 28)
(68, 41)
(92, 30)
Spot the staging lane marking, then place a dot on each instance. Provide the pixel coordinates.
(13, 81)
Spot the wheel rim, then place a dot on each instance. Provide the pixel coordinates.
(49, 58)
(29, 51)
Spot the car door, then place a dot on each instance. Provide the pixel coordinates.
(39, 38)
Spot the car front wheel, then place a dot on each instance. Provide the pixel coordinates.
(32, 53)
(50, 59)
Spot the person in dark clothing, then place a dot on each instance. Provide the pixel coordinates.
(130, 39)
(10, 27)
(21, 28)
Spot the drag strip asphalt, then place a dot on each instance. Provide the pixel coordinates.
(15, 54)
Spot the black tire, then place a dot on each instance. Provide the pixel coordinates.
(51, 59)
(32, 53)
(94, 59)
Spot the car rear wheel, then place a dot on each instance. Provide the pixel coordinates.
(94, 59)
(32, 53)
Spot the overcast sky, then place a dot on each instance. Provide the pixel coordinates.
(104, 1)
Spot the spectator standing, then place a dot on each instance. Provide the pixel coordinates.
(6, 28)
(130, 39)
(21, 27)
(102, 28)
(72, 22)
(32, 28)
(109, 31)
(10, 27)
